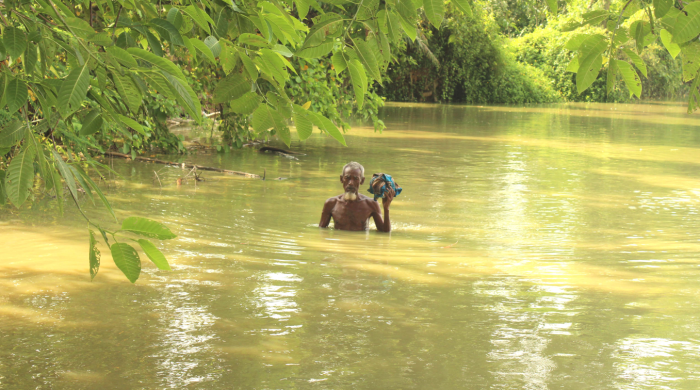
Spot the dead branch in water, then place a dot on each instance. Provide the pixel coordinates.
(186, 165)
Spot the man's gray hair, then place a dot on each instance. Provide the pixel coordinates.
(354, 165)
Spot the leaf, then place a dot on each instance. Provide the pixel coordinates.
(464, 6)
(661, 7)
(167, 31)
(553, 6)
(367, 58)
(20, 176)
(319, 31)
(30, 58)
(640, 29)
(283, 50)
(409, 28)
(359, 80)
(204, 49)
(92, 122)
(199, 17)
(131, 123)
(595, 17)
(687, 27)
(246, 104)
(249, 66)
(253, 40)
(127, 260)
(15, 41)
(326, 125)
(12, 134)
(128, 92)
(610, 77)
(573, 65)
(690, 56)
(80, 27)
(407, 10)
(147, 228)
(154, 254)
(393, 23)
(667, 40)
(94, 256)
(574, 43)
(122, 56)
(2, 186)
(593, 45)
(16, 94)
(175, 17)
(262, 118)
(303, 123)
(588, 71)
(316, 51)
(87, 181)
(73, 90)
(159, 62)
(339, 62)
(185, 96)
(435, 11)
(230, 88)
(65, 172)
(631, 78)
(637, 60)
(213, 45)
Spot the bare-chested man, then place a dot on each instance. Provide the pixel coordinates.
(351, 210)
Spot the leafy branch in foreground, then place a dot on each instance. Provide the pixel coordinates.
(618, 45)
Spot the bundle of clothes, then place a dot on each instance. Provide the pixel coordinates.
(381, 183)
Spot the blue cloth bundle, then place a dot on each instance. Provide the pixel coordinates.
(386, 179)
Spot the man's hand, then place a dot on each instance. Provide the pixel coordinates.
(388, 197)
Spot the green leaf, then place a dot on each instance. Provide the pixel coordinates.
(283, 50)
(159, 62)
(131, 123)
(367, 58)
(30, 58)
(690, 56)
(249, 66)
(393, 23)
(213, 45)
(80, 27)
(167, 31)
(339, 62)
(128, 91)
(316, 51)
(687, 27)
(12, 134)
(634, 84)
(435, 11)
(94, 256)
(2, 188)
(252, 40)
(199, 17)
(154, 254)
(553, 6)
(326, 125)
(610, 77)
(20, 176)
(574, 43)
(122, 56)
(16, 94)
(319, 31)
(464, 6)
(15, 41)
(204, 49)
(272, 65)
(73, 90)
(230, 88)
(246, 104)
(147, 228)
(185, 96)
(407, 10)
(175, 17)
(303, 123)
(409, 28)
(127, 260)
(588, 71)
(573, 65)
(637, 60)
(359, 80)
(639, 30)
(66, 173)
(87, 182)
(593, 45)
(661, 7)
(595, 17)
(262, 118)
(92, 122)
(667, 40)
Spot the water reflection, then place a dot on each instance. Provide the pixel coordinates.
(533, 247)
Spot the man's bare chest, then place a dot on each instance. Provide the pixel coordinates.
(356, 215)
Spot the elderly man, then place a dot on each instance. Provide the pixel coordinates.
(351, 210)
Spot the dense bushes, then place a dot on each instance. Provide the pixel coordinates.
(475, 66)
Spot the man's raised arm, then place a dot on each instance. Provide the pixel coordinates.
(326, 213)
(383, 225)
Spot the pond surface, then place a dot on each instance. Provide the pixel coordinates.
(543, 247)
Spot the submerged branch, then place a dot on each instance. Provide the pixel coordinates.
(199, 167)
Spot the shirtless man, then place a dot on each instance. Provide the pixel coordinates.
(351, 210)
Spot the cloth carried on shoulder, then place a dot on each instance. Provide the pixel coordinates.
(380, 183)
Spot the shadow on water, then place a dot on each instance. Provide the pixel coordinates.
(527, 252)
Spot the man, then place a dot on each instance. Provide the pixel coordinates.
(351, 210)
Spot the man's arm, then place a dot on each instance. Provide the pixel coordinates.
(383, 225)
(326, 213)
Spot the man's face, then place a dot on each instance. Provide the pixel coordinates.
(352, 179)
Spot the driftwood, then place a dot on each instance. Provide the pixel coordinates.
(274, 149)
(186, 165)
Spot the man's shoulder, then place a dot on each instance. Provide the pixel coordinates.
(369, 201)
(333, 200)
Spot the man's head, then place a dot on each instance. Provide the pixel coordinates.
(352, 178)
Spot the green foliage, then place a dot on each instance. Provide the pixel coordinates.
(465, 61)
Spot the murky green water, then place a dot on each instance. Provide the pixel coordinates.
(533, 248)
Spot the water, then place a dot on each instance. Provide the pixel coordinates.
(540, 247)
